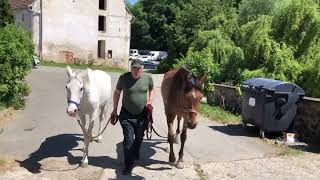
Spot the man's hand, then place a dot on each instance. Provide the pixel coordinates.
(149, 102)
(114, 117)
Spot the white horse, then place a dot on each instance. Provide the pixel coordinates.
(88, 93)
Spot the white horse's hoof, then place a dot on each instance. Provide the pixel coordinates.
(84, 164)
(99, 139)
(180, 165)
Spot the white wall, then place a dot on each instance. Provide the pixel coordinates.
(69, 25)
(117, 35)
(72, 25)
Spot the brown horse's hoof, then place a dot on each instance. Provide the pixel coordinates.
(180, 165)
(172, 159)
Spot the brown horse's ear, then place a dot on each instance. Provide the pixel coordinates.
(203, 79)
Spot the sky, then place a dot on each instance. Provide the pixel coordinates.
(132, 1)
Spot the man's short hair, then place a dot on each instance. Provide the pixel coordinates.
(137, 63)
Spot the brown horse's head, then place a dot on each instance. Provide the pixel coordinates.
(190, 100)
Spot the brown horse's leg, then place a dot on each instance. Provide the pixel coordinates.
(170, 119)
(183, 140)
(176, 137)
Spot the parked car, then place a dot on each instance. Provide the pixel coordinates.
(133, 54)
(150, 65)
(144, 58)
(157, 55)
(36, 61)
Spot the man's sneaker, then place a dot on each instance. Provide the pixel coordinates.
(136, 157)
(127, 170)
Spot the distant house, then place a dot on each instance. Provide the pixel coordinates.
(65, 30)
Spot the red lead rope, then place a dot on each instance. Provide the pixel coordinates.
(149, 121)
(150, 127)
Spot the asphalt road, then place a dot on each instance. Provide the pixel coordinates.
(46, 140)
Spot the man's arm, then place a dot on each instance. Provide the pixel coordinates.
(116, 97)
(151, 95)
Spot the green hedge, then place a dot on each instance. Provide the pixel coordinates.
(16, 54)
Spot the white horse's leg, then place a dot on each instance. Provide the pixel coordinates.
(83, 122)
(93, 117)
(86, 140)
(102, 117)
(85, 160)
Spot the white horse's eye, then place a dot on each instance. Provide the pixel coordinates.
(81, 89)
(66, 87)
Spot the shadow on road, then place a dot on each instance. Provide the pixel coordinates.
(61, 145)
(248, 131)
(55, 146)
(307, 148)
(237, 130)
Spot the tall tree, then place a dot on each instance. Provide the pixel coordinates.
(152, 19)
(6, 16)
(250, 10)
(200, 15)
(297, 24)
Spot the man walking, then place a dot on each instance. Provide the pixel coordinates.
(138, 91)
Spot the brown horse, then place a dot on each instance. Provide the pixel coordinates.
(181, 97)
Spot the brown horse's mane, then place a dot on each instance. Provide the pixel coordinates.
(183, 82)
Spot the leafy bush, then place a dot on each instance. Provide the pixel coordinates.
(250, 10)
(16, 53)
(166, 65)
(225, 54)
(6, 16)
(297, 24)
(310, 79)
(200, 63)
(265, 57)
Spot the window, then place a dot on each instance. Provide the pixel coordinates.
(103, 4)
(102, 23)
(101, 49)
(109, 54)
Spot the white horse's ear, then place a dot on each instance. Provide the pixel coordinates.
(69, 72)
(89, 72)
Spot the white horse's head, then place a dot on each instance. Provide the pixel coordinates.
(75, 88)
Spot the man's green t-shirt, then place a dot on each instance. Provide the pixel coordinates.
(135, 91)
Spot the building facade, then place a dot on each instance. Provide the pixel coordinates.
(77, 30)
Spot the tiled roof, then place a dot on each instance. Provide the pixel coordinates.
(20, 4)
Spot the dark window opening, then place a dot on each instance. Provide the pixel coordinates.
(102, 23)
(109, 54)
(102, 4)
(101, 49)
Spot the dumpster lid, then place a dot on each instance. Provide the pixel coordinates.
(273, 85)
